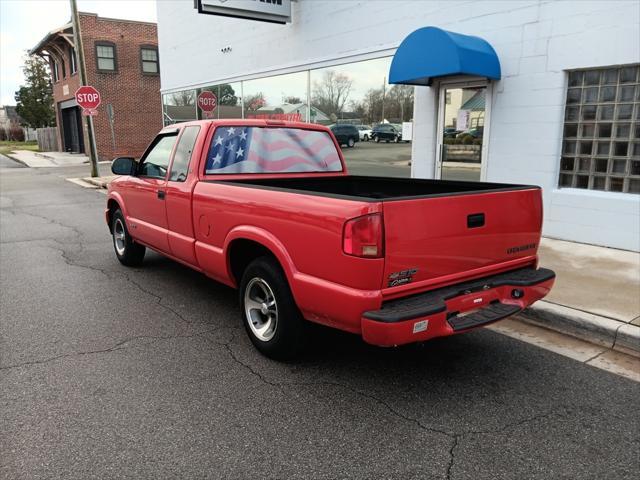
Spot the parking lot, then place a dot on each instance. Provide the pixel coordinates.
(109, 372)
(383, 159)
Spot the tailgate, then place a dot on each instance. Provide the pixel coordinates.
(431, 237)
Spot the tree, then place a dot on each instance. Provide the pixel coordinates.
(399, 103)
(227, 95)
(34, 99)
(330, 95)
(255, 101)
(292, 100)
(183, 98)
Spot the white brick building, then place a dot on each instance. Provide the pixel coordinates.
(565, 113)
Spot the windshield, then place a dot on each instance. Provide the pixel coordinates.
(271, 150)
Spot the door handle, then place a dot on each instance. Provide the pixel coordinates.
(161, 194)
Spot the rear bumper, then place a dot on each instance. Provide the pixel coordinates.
(455, 309)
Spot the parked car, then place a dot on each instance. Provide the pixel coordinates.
(268, 208)
(451, 132)
(365, 132)
(476, 132)
(346, 134)
(386, 132)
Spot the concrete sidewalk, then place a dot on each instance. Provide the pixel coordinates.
(48, 159)
(596, 296)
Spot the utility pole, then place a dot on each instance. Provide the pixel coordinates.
(384, 91)
(77, 40)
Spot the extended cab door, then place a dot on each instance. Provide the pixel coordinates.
(179, 188)
(146, 194)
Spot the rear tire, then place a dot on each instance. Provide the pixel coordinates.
(269, 313)
(351, 143)
(128, 252)
(365, 138)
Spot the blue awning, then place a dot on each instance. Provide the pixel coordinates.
(431, 52)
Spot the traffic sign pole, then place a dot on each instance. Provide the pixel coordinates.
(77, 40)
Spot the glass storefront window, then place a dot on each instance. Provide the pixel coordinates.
(228, 101)
(358, 94)
(377, 114)
(179, 106)
(283, 97)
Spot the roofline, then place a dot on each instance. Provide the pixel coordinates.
(69, 24)
(111, 19)
(48, 37)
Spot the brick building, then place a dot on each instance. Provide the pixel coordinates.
(121, 59)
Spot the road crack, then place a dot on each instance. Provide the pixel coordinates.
(121, 345)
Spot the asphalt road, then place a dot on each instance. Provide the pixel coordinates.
(6, 162)
(109, 372)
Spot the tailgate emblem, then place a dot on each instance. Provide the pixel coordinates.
(400, 278)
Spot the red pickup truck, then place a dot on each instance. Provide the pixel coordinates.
(268, 207)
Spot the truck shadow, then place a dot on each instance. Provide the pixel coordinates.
(479, 352)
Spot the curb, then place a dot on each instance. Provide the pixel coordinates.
(45, 156)
(615, 334)
(9, 155)
(98, 181)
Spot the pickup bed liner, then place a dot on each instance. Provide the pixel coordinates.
(374, 189)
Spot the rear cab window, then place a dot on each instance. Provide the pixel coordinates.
(240, 149)
(182, 157)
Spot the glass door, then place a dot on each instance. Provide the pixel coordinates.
(461, 137)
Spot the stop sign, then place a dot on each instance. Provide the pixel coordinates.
(207, 101)
(88, 97)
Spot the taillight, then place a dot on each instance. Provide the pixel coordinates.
(364, 236)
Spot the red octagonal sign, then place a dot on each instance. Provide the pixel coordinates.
(207, 101)
(88, 97)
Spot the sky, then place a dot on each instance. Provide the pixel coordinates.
(23, 23)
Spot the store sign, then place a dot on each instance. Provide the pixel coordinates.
(407, 131)
(274, 11)
(462, 121)
(287, 117)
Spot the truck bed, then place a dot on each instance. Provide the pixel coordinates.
(374, 189)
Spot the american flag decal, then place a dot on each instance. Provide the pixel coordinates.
(271, 150)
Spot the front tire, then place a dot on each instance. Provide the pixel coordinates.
(269, 313)
(351, 143)
(365, 138)
(377, 139)
(128, 252)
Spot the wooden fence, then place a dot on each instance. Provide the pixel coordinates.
(47, 139)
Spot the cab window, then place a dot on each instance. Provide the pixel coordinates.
(156, 162)
(182, 157)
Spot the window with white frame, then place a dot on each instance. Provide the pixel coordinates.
(601, 140)
(149, 59)
(106, 57)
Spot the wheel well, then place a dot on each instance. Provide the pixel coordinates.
(242, 252)
(112, 206)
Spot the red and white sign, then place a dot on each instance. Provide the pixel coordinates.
(89, 99)
(207, 102)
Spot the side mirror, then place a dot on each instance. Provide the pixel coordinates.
(123, 166)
